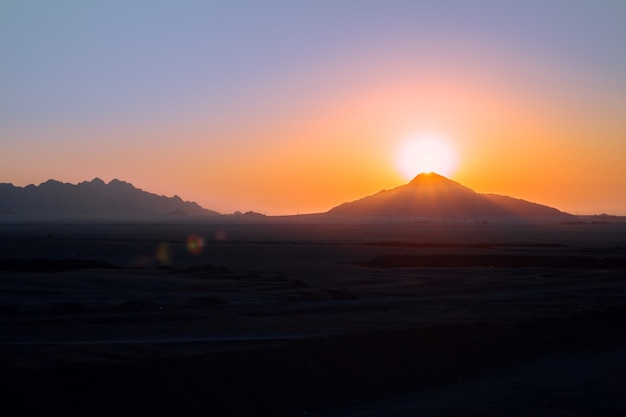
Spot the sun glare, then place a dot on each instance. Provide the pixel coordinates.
(425, 153)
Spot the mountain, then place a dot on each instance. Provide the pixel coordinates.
(117, 198)
(434, 196)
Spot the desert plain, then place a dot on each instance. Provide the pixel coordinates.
(312, 316)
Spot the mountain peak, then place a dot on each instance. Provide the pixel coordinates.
(50, 183)
(430, 174)
(435, 182)
(94, 184)
(431, 195)
(429, 177)
(115, 183)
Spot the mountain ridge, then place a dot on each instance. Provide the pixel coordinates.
(433, 195)
(93, 197)
(428, 195)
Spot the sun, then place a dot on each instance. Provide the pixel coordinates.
(426, 153)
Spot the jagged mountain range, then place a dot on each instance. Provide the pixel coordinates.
(432, 195)
(91, 198)
(427, 195)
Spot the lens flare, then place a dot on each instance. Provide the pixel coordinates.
(163, 253)
(195, 244)
(221, 235)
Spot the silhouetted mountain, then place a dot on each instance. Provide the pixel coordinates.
(432, 195)
(247, 216)
(97, 198)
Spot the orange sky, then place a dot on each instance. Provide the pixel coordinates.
(533, 106)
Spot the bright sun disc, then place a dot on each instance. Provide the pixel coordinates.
(425, 154)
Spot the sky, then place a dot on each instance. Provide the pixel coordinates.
(286, 107)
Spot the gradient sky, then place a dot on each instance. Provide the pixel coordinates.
(287, 107)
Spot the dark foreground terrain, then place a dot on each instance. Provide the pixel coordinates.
(274, 318)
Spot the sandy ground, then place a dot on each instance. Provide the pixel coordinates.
(322, 319)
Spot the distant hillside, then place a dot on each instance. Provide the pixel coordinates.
(432, 195)
(117, 198)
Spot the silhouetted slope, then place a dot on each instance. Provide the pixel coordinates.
(432, 195)
(92, 198)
